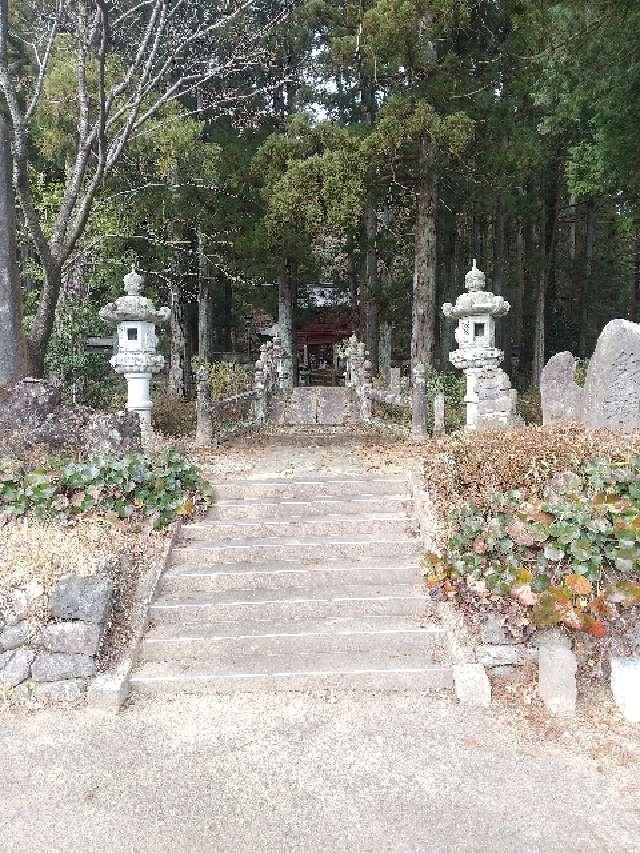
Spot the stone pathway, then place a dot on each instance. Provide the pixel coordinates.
(305, 574)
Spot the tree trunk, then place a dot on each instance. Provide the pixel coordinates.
(286, 304)
(589, 240)
(518, 291)
(42, 323)
(368, 298)
(12, 343)
(384, 354)
(180, 374)
(424, 279)
(205, 305)
(505, 335)
(548, 236)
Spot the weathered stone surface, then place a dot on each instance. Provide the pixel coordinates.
(112, 432)
(508, 655)
(82, 638)
(557, 679)
(492, 631)
(109, 691)
(49, 666)
(625, 686)
(14, 667)
(34, 415)
(562, 398)
(52, 692)
(551, 637)
(612, 389)
(88, 599)
(472, 685)
(22, 598)
(491, 402)
(14, 636)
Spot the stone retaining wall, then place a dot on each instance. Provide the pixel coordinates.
(54, 662)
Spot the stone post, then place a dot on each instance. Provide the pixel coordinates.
(136, 358)
(260, 389)
(204, 424)
(418, 403)
(438, 413)
(366, 410)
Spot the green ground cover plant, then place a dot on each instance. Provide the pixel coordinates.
(572, 557)
(133, 486)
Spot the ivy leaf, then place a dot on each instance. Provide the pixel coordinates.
(553, 553)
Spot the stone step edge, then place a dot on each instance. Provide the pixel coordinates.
(314, 673)
(179, 571)
(159, 605)
(269, 542)
(273, 501)
(429, 632)
(352, 518)
(307, 481)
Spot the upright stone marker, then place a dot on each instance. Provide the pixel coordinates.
(562, 397)
(612, 389)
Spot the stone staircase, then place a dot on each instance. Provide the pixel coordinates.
(295, 585)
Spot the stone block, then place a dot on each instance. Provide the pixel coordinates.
(49, 666)
(109, 691)
(472, 685)
(562, 397)
(557, 679)
(81, 638)
(15, 667)
(14, 636)
(625, 686)
(87, 599)
(507, 655)
(492, 631)
(551, 637)
(52, 692)
(612, 387)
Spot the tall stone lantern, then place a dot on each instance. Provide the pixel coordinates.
(490, 400)
(135, 319)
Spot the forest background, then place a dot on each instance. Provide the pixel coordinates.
(376, 146)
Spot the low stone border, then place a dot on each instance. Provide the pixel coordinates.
(54, 664)
(109, 690)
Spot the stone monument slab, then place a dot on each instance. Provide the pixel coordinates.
(562, 397)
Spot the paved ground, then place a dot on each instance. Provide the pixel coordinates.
(343, 773)
(328, 773)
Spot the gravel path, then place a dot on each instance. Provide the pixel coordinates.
(294, 772)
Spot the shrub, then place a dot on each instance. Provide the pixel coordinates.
(573, 557)
(453, 386)
(173, 415)
(127, 487)
(227, 379)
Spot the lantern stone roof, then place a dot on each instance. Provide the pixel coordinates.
(476, 300)
(134, 306)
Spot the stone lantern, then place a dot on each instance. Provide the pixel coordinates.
(490, 400)
(136, 318)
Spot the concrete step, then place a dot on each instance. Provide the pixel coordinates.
(283, 508)
(310, 489)
(280, 548)
(264, 605)
(282, 672)
(292, 574)
(391, 524)
(235, 640)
